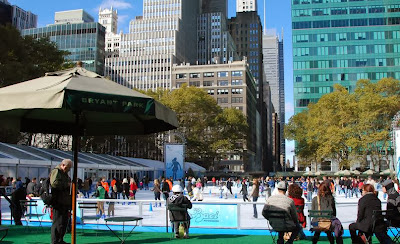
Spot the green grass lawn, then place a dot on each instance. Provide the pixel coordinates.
(35, 235)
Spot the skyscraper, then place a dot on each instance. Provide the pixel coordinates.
(272, 47)
(246, 5)
(84, 40)
(232, 86)
(215, 43)
(16, 16)
(109, 19)
(342, 41)
(164, 35)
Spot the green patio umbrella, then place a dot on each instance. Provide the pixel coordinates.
(346, 172)
(338, 173)
(355, 172)
(369, 172)
(388, 172)
(78, 102)
(308, 173)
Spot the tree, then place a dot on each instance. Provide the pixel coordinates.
(210, 131)
(377, 103)
(25, 58)
(346, 126)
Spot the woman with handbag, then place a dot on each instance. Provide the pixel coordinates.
(324, 201)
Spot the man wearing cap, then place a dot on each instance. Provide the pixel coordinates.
(62, 201)
(393, 202)
(280, 202)
(177, 199)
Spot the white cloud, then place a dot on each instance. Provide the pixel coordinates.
(122, 18)
(117, 4)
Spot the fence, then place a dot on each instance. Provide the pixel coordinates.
(223, 214)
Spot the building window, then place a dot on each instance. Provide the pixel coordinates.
(237, 82)
(237, 100)
(180, 76)
(194, 83)
(208, 83)
(194, 75)
(208, 74)
(237, 91)
(223, 74)
(223, 83)
(210, 92)
(222, 91)
(222, 100)
(237, 73)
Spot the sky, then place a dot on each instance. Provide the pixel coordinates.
(277, 12)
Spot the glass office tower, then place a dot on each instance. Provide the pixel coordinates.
(84, 41)
(340, 42)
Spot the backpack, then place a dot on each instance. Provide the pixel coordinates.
(45, 192)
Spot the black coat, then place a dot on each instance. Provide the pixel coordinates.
(366, 205)
(179, 201)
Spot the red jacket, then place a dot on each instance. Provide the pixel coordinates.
(299, 203)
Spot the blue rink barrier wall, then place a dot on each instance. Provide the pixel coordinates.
(228, 217)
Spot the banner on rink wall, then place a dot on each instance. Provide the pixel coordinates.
(174, 159)
(213, 215)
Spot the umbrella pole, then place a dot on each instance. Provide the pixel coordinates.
(75, 145)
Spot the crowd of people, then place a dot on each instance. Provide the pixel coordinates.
(290, 194)
(365, 225)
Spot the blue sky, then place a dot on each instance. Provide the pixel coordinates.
(278, 16)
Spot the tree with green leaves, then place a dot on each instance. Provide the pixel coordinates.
(210, 131)
(25, 58)
(347, 126)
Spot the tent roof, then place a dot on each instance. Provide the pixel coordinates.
(45, 157)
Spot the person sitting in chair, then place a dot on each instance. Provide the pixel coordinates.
(281, 202)
(364, 224)
(393, 202)
(177, 199)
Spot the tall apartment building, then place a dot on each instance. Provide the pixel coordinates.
(109, 19)
(72, 32)
(215, 43)
(342, 41)
(19, 18)
(246, 5)
(272, 47)
(246, 31)
(232, 86)
(164, 35)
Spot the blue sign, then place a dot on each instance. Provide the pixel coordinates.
(174, 161)
(213, 215)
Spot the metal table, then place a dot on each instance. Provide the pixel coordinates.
(123, 220)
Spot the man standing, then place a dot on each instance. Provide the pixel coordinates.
(60, 189)
(32, 188)
(281, 202)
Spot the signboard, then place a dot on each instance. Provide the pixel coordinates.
(397, 151)
(213, 215)
(174, 158)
